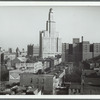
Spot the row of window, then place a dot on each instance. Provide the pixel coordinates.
(37, 81)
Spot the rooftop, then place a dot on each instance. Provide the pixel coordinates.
(22, 59)
(57, 71)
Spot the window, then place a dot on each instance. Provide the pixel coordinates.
(31, 80)
(42, 89)
(42, 80)
(37, 80)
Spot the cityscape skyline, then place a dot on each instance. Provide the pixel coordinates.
(53, 67)
(26, 22)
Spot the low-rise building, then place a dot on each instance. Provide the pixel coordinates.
(14, 76)
(90, 82)
(18, 60)
(36, 66)
(47, 83)
(44, 82)
(10, 56)
(74, 88)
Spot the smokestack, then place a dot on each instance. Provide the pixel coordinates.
(82, 38)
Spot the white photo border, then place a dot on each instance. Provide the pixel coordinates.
(49, 3)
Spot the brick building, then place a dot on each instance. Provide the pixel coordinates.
(79, 51)
(45, 83)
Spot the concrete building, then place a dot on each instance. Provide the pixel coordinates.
(36, 51)
(79, 51)
(65, 51)
(76, 40)
(95, 49)
(72, 52)
(30, 50)
(86, 54)
(50, 43)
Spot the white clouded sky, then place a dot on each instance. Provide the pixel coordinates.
(20, 26)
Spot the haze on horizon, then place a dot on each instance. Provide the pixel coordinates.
(20, 26)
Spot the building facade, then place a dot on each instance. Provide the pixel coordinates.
(36, 51)
(79, 51)
(95, 49)
(30, 50)
(90, 83)
(45, 83)
(34, 67)
(50, 43)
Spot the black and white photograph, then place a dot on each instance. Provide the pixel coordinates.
(50, 50)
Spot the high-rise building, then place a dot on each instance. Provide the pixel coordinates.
(50, 43)
(65, 51)
(72, 52)
(95, 49)
(79, 51)
(30, 50)
(86, 54)
(76, 40)
(36, 51)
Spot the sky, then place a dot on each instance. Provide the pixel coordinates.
(20, 26)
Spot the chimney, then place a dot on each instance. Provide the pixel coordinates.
(82, 38)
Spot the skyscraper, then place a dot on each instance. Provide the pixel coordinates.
(50, 43)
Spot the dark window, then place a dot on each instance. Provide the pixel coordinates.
(70, 49)
(37, 80)
(42, 80)
(91, 48)
(31, 80)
